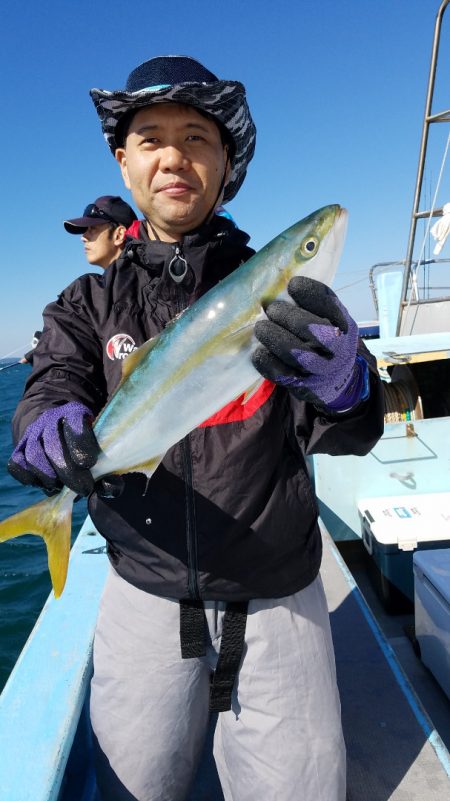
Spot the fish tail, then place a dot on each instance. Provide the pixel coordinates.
(52, 520)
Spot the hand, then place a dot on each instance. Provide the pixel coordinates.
(311, 347)
(58, 449)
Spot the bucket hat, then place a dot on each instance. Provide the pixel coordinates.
(107, 208)
(182, 79)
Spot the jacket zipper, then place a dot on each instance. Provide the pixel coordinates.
(191, 533)
(178, 266)
(186, 454)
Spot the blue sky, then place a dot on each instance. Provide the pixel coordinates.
(337, 91)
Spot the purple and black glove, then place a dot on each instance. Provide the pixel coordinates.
(311, 348)
(58, 449)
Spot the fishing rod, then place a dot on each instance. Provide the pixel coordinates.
(12, 352)
(14, 364)
(22, 348)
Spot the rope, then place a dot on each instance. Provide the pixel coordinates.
(347, 286)
(414, 289)
(399, 402)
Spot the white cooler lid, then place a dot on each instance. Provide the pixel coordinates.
(405, 520)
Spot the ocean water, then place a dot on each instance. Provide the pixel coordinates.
(24, 578)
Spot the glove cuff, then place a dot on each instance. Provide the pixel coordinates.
(357, 389)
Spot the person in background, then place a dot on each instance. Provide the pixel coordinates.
(214, 600)
(27, 358)
(103, 228)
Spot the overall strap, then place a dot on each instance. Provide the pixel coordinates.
(192, 629)
(230, 654)
(193, 644)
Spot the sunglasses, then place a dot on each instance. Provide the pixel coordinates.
(93, 211)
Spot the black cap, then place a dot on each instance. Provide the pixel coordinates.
(106, 209)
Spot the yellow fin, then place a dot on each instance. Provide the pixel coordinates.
(147, 468)
(135, 357)
(52, 520)
(236, 341)
(252, 390)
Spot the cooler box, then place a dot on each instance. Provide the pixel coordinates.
(432, 612)
(394, 527)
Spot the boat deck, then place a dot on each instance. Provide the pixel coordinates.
(394, 752)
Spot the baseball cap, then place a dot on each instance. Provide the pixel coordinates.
(106, 209)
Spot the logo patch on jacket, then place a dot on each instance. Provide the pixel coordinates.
(119, 346)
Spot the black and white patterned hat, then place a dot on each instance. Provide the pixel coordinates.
(181, 79)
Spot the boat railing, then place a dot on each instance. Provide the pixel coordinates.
(426, 308)
(426, 288)
(430, 118)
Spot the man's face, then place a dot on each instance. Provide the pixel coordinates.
(102, 245)
(173, 162)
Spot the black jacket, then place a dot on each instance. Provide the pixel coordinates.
(230, 513)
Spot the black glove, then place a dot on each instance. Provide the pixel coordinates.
(58, 449)
(311, 347)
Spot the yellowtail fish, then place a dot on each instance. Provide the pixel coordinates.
(198, 364)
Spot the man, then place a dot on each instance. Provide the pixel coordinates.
(27, 358)
(227, 525)
(103, 227)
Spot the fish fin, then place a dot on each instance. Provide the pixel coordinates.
(236, 341)
(52, 520)
(252, 391)
(135, 357)
(147, 468)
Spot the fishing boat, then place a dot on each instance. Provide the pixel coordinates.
(394, 749)
(397, 499)
(392, 507)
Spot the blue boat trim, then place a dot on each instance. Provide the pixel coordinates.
(41, 703)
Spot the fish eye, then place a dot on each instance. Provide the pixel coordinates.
(309, 246)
